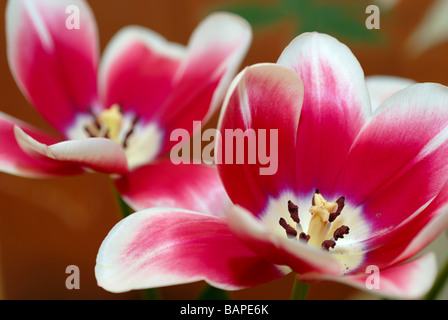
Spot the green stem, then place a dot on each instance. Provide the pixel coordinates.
(299, 290)
(212, 293)
(151, 294)
(125, 209)
(439, 283)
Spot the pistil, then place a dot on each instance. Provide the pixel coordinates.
(109, 124)
(318, 229)
(319, 224)
(111, 121)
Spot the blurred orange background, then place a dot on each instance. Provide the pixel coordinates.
(47, 225)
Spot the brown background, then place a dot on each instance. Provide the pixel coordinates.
(46, 225)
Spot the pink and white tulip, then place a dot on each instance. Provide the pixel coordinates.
(354, 188)
(115, 114)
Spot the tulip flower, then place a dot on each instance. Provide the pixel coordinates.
(355, 190)
(114, 115)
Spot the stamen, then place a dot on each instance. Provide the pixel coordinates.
(341, 203)
(94, 116)
(108, 124)
(313, 203)
(290, 231)
(294, 211)
(327, 244)
(340, 232)
(89, 132)
(303, 236)
(131, 131)
(323, 214)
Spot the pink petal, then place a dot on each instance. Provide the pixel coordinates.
(278, 249)
(382, 87)
(426, 235)
(54, 66)
(214, 54)
(188, 186)
(409, 280)
(137, 71)
(98, 154)
(398, 162)
(411, 236)
(14, 161)
(264, 97)
(161, 247)
(335, 107)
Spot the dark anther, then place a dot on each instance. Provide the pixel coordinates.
(313, 203)
(89, 132)
(292, 208)
(90, 111)
(303, 236)
(96, 122)
(341, 203)
(294, 211)
(128, 135)
(327, 244)
(340, 232)
(290, 231)
(125, 142)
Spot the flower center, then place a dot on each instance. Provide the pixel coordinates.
(109, 124)
(323, 214)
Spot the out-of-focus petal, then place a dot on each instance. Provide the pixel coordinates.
(137, 71)
(54, 64)
(193, 187)
(162, 246)
(14, 160)
(98, 154)
(214, 54)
